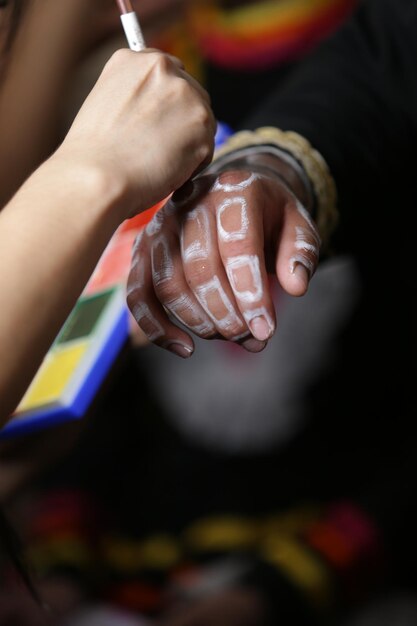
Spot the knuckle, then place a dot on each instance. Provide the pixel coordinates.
(166, 290)
(133, 297)
(307, 244)
(233, 177)
(161, 62)
(239, 249)
(204, 124)
(177, 92)
(197, 273)
(206, 333)
(205, 151)
(203, 115)
(118, 59)
(183, 90)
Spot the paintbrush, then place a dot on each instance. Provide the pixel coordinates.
(131, 25)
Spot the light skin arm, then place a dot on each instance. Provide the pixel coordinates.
(54, 243)
(143, 131)
(205, 259)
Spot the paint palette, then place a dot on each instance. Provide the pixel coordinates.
(76, 364)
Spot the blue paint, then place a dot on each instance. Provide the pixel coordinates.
(224, 131)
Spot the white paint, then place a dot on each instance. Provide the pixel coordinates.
(307, 247)
(155, 225)
(301, 241)
(242, 232)
(170, 208)
(307, 217)
(137, 278)
(142, 312)
(214, 286)
(238, 186)
(200, 325)
(136, 244)
(299, 259)
(238, 263)
(162, 265)
(199, 249)
(259, 312)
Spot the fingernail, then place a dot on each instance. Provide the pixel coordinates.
(301, 273)
(253, 345)
(178, 348)
(260, 328)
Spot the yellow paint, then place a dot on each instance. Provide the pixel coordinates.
(53, 377)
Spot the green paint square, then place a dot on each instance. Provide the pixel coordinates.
(84, 317)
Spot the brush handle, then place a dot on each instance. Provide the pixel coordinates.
(133, 31)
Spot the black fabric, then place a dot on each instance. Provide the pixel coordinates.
(355, 99)
(235, 94)
(284, 602)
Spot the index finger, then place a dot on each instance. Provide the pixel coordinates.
(240, 235)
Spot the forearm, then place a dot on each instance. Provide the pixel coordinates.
(52, 234)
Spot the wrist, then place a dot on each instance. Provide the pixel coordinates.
(307, 162)
(105, 192)
(298, 185)
(274, 163)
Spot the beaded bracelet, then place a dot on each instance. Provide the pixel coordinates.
(310, 161)
(241, 159)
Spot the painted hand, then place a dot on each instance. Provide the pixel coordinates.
(204, 259)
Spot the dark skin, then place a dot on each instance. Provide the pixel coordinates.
(280, 236)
